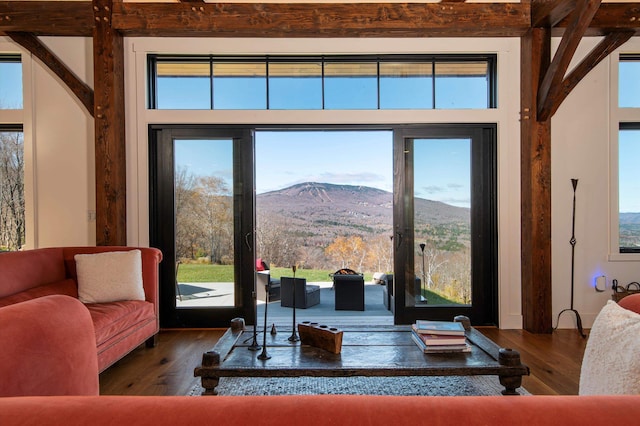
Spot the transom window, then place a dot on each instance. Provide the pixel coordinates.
(322, 82)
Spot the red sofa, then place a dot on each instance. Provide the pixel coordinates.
(119, 326)
(322, 410)
(34, 317)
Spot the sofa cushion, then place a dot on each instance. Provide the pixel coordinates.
(65, 287)
(111, 319)
(110, 276)
(611, 365)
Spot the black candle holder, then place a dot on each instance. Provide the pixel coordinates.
(294, 335)
(254, 346)
(263, 355)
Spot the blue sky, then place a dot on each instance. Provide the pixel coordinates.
(11, 85)
(629, 153)
(317, 156)
(285, 158)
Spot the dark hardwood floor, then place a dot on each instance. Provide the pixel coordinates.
(554, 360)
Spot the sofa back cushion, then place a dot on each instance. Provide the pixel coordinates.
(631, 303)
(23, 270)
(65, 287)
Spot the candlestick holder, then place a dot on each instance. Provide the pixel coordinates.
(294, 335)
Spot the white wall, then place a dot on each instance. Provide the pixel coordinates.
(61, 133)
(506, 116)
(59, 152)
(584, 137)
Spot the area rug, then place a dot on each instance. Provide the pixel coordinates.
(411, 385)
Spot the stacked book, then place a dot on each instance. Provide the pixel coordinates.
(439, 336)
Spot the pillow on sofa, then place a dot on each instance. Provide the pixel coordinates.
(611, 365)
(109, 276)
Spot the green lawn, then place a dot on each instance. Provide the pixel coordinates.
(199, 273)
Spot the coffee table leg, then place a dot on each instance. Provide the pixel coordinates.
(510, 383)
(210, 384)
(510, 358)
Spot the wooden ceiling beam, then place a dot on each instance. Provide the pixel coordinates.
(609, 17)
(58, 18)
(83, 92)
(551, 84)
(547, 13)
(321, 19)
(446, 19)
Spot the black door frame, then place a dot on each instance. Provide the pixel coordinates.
(484, 309)
(162, 223)
(484, 236)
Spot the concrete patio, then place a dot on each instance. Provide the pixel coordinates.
(221, 294)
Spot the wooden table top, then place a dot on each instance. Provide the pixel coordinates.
(370, 351)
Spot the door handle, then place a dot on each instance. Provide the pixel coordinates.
(247, 240)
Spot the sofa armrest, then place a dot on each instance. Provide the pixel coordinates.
(48, 348)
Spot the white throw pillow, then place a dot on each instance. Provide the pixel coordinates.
(109, 276)
(611, 365)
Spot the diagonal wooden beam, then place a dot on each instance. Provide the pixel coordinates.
(83, 92)
(610, 43)
(547, 13)
(554, 75)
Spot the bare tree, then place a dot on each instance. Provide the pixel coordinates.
(379, 254)
(215, 209)
(434, 259)
(187, 223)
(276, 244)
(12, 217)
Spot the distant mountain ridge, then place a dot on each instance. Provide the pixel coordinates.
(630, 218)
(324, 210)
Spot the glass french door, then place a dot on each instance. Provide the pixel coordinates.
(202, 215)
(445, 238)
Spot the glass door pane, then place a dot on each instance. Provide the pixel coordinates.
(442, 227)
(445, 223)
(201, 211)
(203, 188)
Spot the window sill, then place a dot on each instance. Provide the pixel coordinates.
(624, 257)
